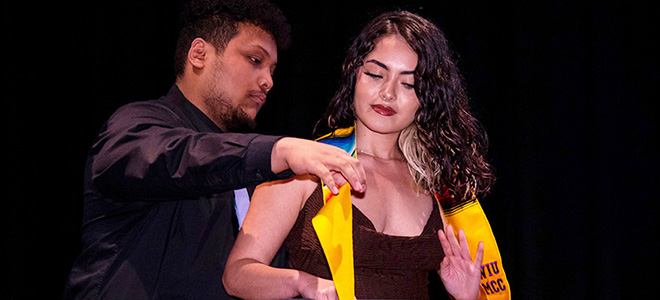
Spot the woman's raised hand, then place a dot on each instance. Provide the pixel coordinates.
(460, 275)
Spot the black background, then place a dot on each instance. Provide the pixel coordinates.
(567, 91)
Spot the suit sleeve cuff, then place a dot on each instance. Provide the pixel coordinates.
(258, 162)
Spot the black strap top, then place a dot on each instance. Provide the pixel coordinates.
(386, 266)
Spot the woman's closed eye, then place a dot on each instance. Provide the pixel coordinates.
(372, 75)
(408, 85)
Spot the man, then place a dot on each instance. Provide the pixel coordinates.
(160, 207)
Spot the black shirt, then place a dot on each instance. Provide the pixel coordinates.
(158, 220)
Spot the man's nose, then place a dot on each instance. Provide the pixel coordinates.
(266, 82)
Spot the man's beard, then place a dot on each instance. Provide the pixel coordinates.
(235, 119)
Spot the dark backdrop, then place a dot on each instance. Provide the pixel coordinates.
(567, 91)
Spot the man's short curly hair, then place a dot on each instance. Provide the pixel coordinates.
(217, 21)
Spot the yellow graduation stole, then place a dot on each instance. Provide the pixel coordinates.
(334, 227)
(334, 224)
(470, 217)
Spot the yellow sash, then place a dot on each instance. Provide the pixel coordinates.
(334, 228)
(471, 218)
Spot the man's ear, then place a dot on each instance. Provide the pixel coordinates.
(197, 54)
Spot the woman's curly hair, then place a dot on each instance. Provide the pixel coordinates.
(446, 146)
(217, 21)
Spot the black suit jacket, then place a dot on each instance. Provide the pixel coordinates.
(159, 218)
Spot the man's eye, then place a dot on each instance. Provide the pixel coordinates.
(255, 60)
(372, 75)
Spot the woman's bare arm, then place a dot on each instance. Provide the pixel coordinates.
(273, 211)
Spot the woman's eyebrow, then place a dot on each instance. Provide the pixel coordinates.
(382, 65)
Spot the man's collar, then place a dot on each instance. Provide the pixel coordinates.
(200, 120)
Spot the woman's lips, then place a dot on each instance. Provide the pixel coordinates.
(383, 110)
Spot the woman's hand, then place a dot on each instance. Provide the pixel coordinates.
(312, 287)
(460, 275)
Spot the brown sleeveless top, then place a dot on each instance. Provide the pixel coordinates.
(386, 267)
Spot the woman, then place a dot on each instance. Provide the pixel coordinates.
(415, 137)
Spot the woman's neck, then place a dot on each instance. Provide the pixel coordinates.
(377, 145)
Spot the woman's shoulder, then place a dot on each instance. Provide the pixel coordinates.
(299, 187)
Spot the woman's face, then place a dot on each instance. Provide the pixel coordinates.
(385, 98)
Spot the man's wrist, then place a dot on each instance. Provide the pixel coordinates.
(278, 162)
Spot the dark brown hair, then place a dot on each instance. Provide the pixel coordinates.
(449, 145)
(216, 21)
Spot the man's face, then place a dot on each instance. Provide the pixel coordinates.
(241, 76)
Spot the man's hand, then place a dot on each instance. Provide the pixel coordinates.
(329, 163)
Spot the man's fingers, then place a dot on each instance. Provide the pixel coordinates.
(339, 179)
(361, 176)
(352, 171)
(330, 183)
(338, 176)
(325, 175)
(343, 165)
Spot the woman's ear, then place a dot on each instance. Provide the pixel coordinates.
(197, 54)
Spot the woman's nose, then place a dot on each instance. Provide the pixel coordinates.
(388, 92)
